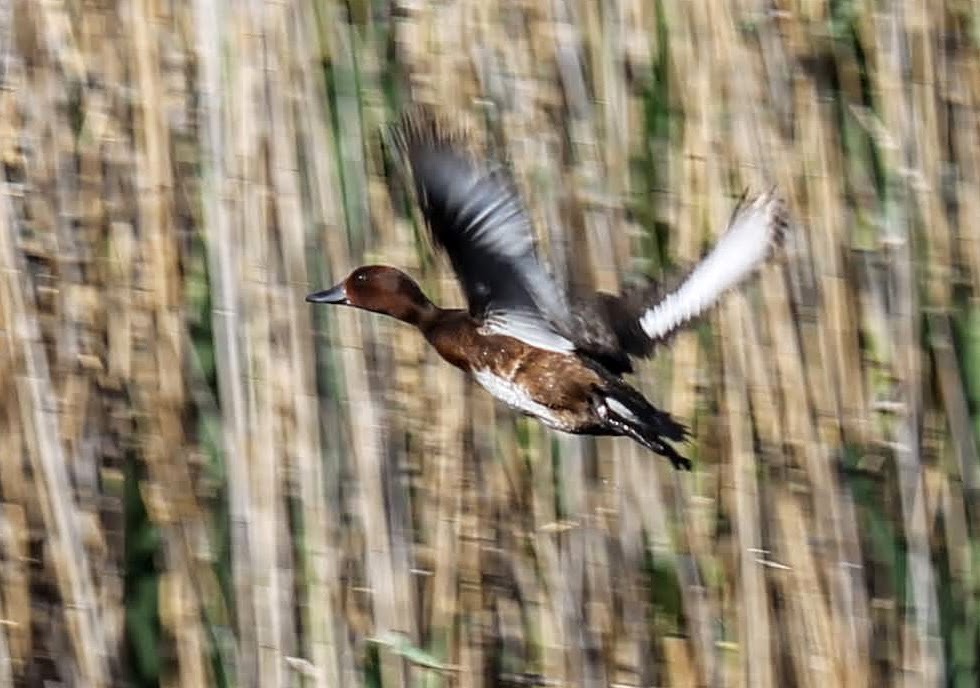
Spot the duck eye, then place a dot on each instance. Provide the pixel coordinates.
(361, 277)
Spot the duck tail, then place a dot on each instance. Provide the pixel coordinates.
(633, 416)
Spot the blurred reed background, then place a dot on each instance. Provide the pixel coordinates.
(205, 481)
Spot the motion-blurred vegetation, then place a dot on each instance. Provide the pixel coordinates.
(204, 481)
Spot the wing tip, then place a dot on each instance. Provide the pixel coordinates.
(772, 206)
(778, 216)
(422, 127)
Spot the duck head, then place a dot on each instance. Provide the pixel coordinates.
(380, 289)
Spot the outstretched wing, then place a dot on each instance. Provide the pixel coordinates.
(755, 228)
(476, 215)
(608, 325)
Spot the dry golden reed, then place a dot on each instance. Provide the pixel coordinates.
(205, 481)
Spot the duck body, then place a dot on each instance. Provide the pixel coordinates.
(563, 388)
(522, 338)
(565, 391)
(549, 385)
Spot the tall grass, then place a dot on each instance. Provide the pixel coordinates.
(205, 481)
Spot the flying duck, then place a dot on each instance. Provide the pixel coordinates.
(522, 338)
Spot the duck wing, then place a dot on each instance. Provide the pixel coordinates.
(608, 325)
(614, 327)
(755, 229)
(475, 214)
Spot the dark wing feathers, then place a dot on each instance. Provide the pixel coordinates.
(608, 325)
(476, 215)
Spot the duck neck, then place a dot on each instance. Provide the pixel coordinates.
(414, 308)
(423, 315)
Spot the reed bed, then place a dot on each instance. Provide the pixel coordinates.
(205, 481)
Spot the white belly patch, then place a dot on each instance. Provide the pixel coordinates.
(516, 397)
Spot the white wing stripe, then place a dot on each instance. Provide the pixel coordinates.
(742, 248)
(528, 328)
(496, 214)
(488, 209)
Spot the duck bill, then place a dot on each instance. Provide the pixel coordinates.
(335, 294)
